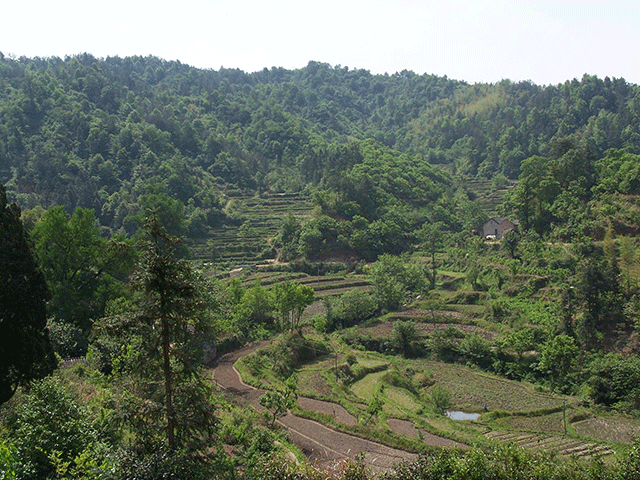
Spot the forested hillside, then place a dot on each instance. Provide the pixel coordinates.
(332, 221)
(120, 135)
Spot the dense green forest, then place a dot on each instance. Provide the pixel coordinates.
(118, 135)
(356, 200)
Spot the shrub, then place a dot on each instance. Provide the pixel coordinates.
(68, 340)
(422, 379)
(406, 339)
(288, 352)
(477, 350)
(161, 462)
(8, 461)
(615, 380)
(349, 309)
(396, 378)
(49, 420)
(441, 398)
(351, 359)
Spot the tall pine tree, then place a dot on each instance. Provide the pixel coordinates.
(25, 350)
(168, 399)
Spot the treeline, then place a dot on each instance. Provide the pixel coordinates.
(490, 129)
(97, 133)
(571, 193)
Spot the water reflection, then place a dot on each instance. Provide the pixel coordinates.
(455, 415)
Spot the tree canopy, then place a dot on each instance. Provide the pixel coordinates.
(25, 350)
(96, 133)
(162, 337)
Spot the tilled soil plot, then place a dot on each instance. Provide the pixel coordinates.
(407, 428)
(328, 408)
(322, 445)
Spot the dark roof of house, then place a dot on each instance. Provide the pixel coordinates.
(499, 220)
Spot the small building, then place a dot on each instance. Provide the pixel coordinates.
(496, 227)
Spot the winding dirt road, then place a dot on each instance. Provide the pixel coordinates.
(323, 446)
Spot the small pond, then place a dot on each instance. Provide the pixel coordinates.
(454, 415)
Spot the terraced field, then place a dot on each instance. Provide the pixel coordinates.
(330, 284)
(530, 419)
(404, 412)
(247, 242)
(244, 250)
(488, 195)
(555, 443)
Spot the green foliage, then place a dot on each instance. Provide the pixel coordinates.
(93, 463)
(386, 276)
(161, 462)
(274, 467)
(254, 443)
(393, 280)
(555, 194)
(288, 352)
(278, 402)
(599, 290)
(68, 340)
(350, 308)
(432, 238)
(557, 356)
(406, 339)
(514, 310)
(110, 134)
(165, 394)
(618, 172)
(375, 406)
(630, 464)
(441, 398)
(290, 300)
(288, 237)
(509, 243)
(81, 270)
(399, 378)
(476, 349)
(8, 461)
(506, 462)
(49, 424)
(27, 350)
(613, 381)
(170, 212)
(254, 309)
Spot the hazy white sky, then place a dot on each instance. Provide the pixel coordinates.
(546, 41)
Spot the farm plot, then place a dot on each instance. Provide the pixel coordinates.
(551, 423)
(311, 382)
(402, 399)
(367, 387)
(371, 360)
(330, 284)
(552, 443)
(610, 430)
(332, 409)
(245, 242)
(472, 390)
(384, 328)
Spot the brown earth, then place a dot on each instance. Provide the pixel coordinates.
(328, 408)
(322, 445)
(609, 430)
(407, 428)
(385, 328)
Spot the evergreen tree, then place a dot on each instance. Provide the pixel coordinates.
(25, 350)
(167, 397)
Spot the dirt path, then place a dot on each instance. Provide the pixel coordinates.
(322, 445)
